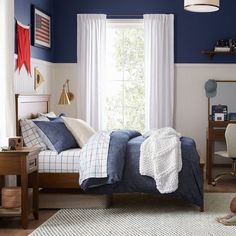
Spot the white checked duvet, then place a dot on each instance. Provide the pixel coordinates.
(93, 157)
(65, 162)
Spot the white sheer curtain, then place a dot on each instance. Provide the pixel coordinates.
(159, 69)
(7, 105)
(91, 46)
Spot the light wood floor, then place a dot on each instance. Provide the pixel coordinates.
(12, 226)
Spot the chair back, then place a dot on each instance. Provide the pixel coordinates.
(230, 136)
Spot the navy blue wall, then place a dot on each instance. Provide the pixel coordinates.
(193, 31)
(23, 14)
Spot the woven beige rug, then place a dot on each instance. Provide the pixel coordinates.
(165, 217)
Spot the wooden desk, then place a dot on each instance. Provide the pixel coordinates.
(22, 163)
(215, 132)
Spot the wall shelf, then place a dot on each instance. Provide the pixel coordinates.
(212, 53)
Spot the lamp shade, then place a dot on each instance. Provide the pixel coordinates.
(202, 5)
(64, 100)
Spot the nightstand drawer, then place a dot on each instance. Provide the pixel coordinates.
(218, 134)
(32, 162)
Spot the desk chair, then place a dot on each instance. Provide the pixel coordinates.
(230, 137)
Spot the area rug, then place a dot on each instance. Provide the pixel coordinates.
(164, 217)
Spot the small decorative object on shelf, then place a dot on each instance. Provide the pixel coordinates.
(232, 44)
(222, 47)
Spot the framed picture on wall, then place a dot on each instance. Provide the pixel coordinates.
(41, 28)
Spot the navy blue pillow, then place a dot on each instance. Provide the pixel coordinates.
(56, 136)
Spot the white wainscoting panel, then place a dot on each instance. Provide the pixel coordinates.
(190, 99)
(191, 107)
(24, 83)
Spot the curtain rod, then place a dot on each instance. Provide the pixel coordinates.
(124, 15)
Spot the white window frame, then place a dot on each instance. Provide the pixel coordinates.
(124, 23)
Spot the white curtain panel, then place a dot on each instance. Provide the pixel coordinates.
(7, 100)
(7, 104)
(91, 36)
(159, 69)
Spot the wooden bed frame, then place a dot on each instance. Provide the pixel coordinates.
(27, 107)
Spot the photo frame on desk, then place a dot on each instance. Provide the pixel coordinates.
(219, 117)
(219, 112)
(41, 28)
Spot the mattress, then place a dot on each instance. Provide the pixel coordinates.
(65, 162)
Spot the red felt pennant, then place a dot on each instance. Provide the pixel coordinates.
(23, 47)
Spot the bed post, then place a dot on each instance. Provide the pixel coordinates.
(202, 207)
(202, 164)
(17, 120)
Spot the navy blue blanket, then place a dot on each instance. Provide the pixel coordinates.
(124, 176)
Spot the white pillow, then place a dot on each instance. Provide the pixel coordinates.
(80, 130)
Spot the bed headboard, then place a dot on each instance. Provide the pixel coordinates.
(28, 106)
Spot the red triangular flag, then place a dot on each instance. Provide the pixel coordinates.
(23, 47)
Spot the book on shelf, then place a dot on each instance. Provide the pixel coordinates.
(222, 49)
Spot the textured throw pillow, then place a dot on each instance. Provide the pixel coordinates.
(30, 133)
(80, 129)
(56, 136)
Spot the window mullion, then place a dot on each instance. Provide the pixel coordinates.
(123, 81)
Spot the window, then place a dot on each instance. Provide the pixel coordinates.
(124, 88)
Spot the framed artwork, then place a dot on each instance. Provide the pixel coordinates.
(41, 28)
(38, 79)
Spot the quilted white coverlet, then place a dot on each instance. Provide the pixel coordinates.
(160, 158)
(93, 157)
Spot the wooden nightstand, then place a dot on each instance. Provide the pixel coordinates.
(23, 163)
